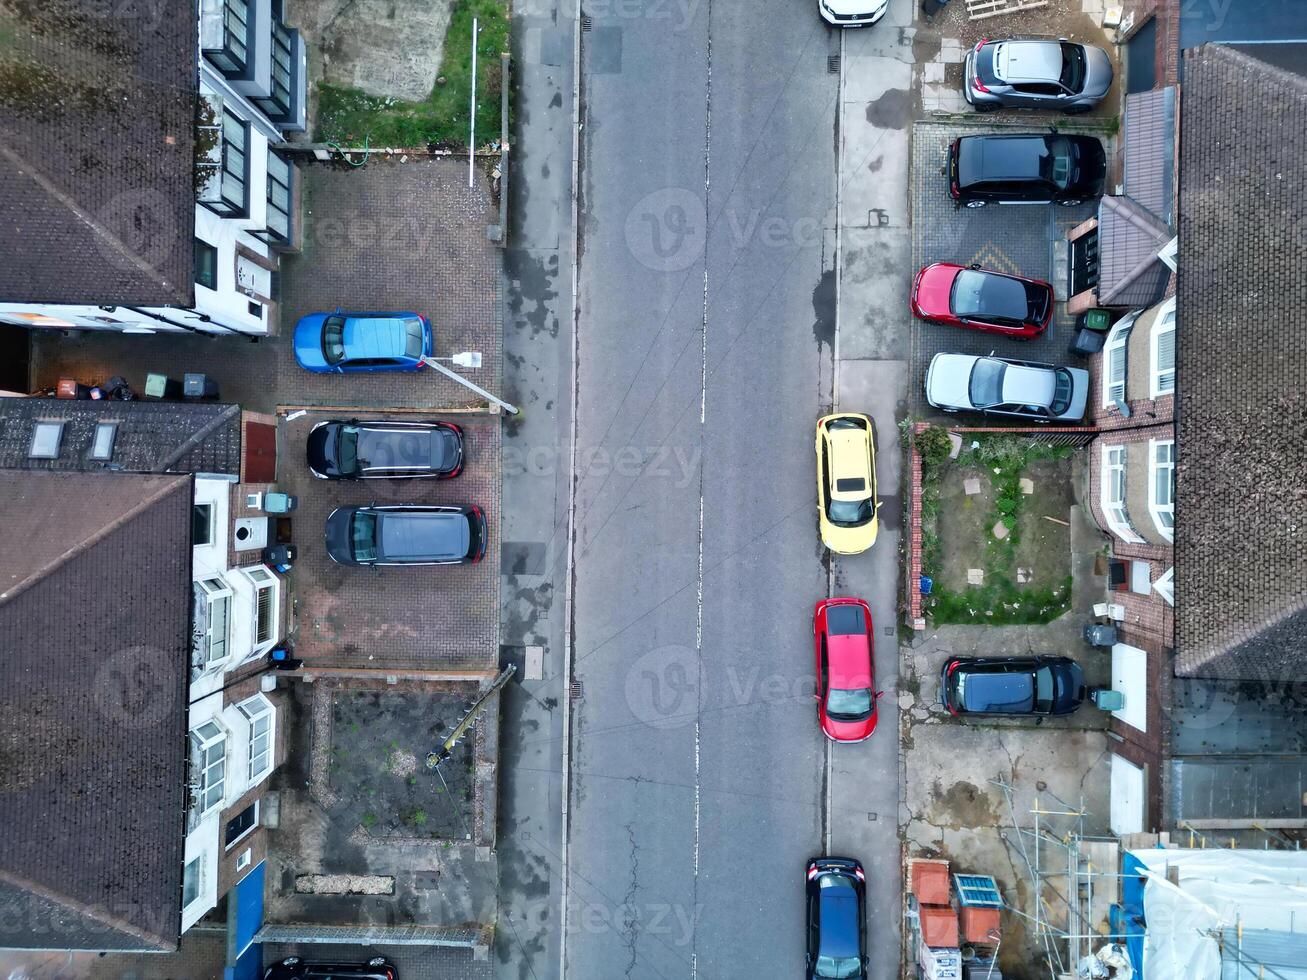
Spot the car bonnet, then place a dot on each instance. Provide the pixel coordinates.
(949, 378)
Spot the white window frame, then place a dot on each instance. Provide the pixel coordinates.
(1163, 325)
(1118, 339)
(244, 859)
(263, 581)
(215, 590)
(203, 738)
(1113, 509)
(1158, 510)
(1165, 586)
(212, 511)
(1170, 252)
(256, 710)
(198, 864)
(258, 816)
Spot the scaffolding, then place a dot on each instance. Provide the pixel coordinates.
(1074, 880)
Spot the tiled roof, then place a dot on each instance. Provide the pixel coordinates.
(1241, 536)
(95, 611)
(151, 437)
(97, 123)
(1129, 238)
(1150, 150)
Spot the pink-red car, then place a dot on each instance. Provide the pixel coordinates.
(846, 688)
(975, 298)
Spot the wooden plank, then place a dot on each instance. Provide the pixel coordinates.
(1031, 5)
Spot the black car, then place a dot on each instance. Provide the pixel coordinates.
(382, 449)
(1026, 168)
(837, 919)
(1012, 685)
(406, 534)
(294, 968)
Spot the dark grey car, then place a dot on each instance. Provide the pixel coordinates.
(1036, 73)
(384, 449)
(406, 534)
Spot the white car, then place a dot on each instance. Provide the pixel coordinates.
(852, 13)
(1001, 386)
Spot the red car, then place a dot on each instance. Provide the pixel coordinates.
(969, 296)
(846, 694)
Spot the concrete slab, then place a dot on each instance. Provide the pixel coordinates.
(877, 113)
(975, 576)
(971, 486)
(878, 388)
(874, 318)
(1027, 485)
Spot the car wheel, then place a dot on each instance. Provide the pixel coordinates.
(976, 204)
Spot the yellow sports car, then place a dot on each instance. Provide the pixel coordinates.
(846, 482)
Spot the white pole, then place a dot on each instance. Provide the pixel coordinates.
(472, 126)
(432, 362)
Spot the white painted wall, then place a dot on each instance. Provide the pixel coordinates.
(1129, 796)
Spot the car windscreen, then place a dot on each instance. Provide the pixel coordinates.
(333, 339)
(363, 536)
(986, 385)
(838, 956)
(413, 337)
(1073, 67)
(984, 294)
(1056, 165)
(846, 620)
(1000, 692)
(1044, 690)
(1063, 385)
(854, 705)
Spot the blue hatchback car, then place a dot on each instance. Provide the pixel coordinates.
(339, 341)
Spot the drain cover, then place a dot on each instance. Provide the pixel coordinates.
(833, 64)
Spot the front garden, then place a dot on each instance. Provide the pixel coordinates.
(995, 535)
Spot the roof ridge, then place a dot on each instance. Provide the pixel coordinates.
(97, 228)
(169, 486)
(1221, 49)
(197, 437)
(81, 908)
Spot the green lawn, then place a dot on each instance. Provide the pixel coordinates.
(348, 116)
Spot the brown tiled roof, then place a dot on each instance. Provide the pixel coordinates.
(152, 437)
(97, 122)
(95, 612)
(1129, 238)
(1150, 151)
(1241, 536)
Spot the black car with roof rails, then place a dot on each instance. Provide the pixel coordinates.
(294, 968)
(406, 534)
(383, 449)
(1011, 685)
(1026, 168)
(836, 919)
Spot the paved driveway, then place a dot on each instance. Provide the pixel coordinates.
(427, 616)
(411, 962)
(1016, 239)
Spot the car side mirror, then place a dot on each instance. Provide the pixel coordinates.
(879, 695)
(974, 265)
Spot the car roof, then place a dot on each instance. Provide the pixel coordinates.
(1002, 157)
(1028, 60)
(1024, 385)
(986, 690)
(837, 912)
(850, 448)
(384, 446)
(374, 336)
(419, 535)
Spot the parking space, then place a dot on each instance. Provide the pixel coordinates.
(1015, 239)
(411, 962)
(389, 236)
(426, 616)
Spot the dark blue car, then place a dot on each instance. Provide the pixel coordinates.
(339, 341)
(1011, 685)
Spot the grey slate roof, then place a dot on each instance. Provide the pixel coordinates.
(95, 611)
(97, 123)
(1150, 150)
(1241, 536)
(152, 437)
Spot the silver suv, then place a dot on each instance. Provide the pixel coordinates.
(1036, 73)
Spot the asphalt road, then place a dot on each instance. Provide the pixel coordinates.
(706, 298)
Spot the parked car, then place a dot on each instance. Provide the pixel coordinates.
(1011, 685)
(1025, 168)
(846, 694)
(979, 299)
(294, 968)
(1002, 386)
(384, 449)
(1036, 73)
(846, 482)
(406, 534)
(837, 919)
(339, 341)
(852, 13)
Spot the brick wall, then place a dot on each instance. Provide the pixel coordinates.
(256, 842)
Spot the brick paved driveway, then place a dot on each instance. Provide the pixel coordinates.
(1017, 239)
(429, 616)
(389, 236)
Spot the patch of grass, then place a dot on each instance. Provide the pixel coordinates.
(1000, 603)
(418, 818)
(369, 819)
(349, 116)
